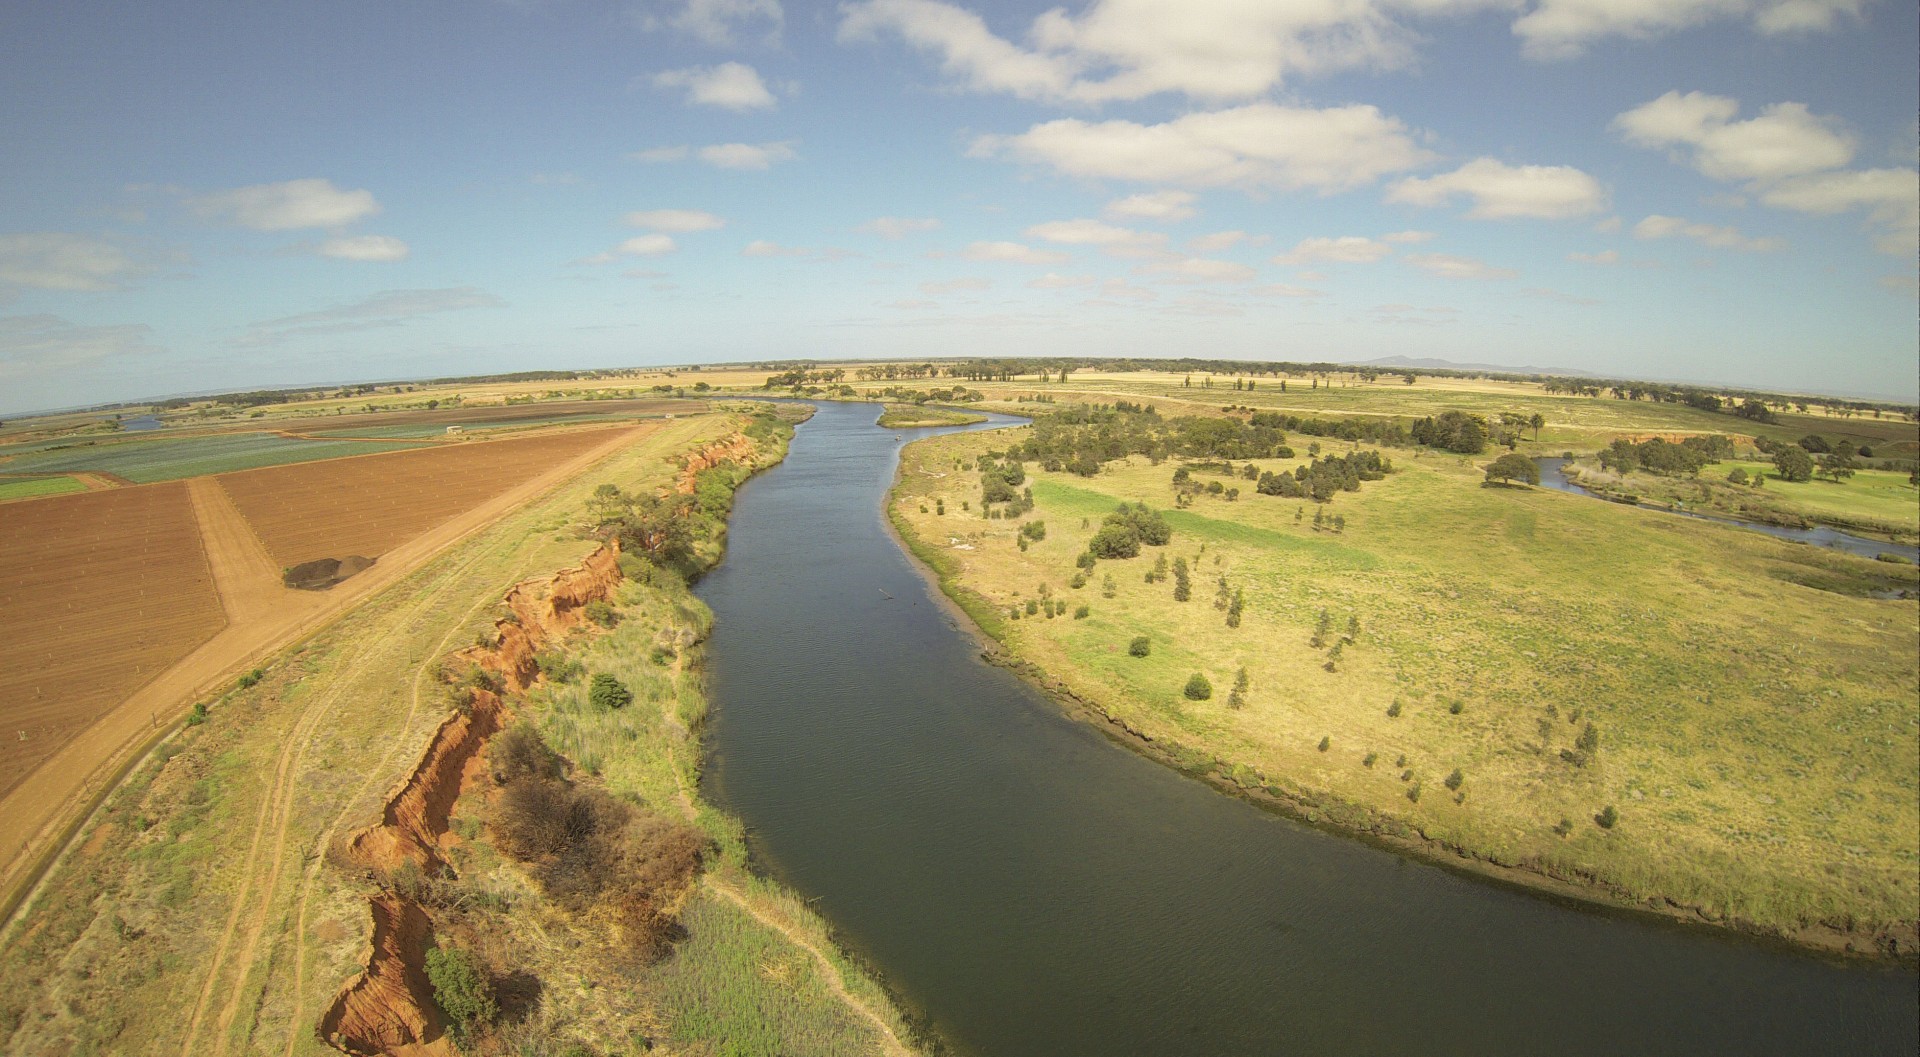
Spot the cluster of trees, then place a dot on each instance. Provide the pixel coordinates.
(801, 376)
(1080, 438)
(1666, 458)
(1322, 477)
(1126, 529)
(1455, 431)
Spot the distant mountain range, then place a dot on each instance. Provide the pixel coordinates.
(1431, 364)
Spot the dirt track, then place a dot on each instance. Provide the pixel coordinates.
(38, 815)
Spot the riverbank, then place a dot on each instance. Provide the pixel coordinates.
(1499, 819)
(210, 907)
(1877, 504)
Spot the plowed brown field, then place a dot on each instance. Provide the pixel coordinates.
(103, 591)
(368, 504)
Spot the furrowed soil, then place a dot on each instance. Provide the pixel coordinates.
(1755, 714)
(260, 616)
(203, 912)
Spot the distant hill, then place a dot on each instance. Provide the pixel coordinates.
(1431, 364)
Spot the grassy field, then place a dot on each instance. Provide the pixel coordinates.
(908, 416)
(170, 459)
(1757, 719)
(32, 487)
(200, 912)
(1878, 496)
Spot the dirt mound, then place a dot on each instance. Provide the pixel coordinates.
(322, 573)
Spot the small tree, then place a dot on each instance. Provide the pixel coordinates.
(1197, 688)
(1140, 646)
(1513, 467)
(461, 990)
(1456, 779)
(1793, 462)
(1607, 817)
(607, 693)
(1234, 610)
(1182, 583)
(1237, 697)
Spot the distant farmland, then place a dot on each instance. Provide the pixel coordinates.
(170, 459)
(104, 591)
(369, 505)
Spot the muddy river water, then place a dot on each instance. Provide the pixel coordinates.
(1027, 887)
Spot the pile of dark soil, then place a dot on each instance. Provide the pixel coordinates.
(322, 573)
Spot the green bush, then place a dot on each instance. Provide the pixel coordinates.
(198, 715)
(1393, 710)
(602, 613)
(1326, 743)
(1034, 530)
(460, 989)
(1140, 646)
(250, 678)
(1197, 688)
(1082, 612)
(1456, 779)
(558, 668)
(606, 693)
(1607, 817)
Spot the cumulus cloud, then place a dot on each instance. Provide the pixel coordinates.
(288, 206)
(1118, 241)
(1153, 205)
(50, 345)
(1222, 240)
(675, 220)
(1282, 290)
(720, 23)
(764, 248)
(1500, 191)
(365, 248)
(1052, 281)
(53, 260)
(1890, 197)
(1402, 238)
(1563, 28)
(949, 286)
(1784, 140)
(721, 155)
(654, 245)
(1199, 270)
(1122, 290)
(899, 227)
(389, 308)
(1011, 252)
(1346, 249)
(1727, 238)
(1448, 266)
(1115, 50)
(1543, 293)
(1260, 146)
(729, 86)
(1603, 257)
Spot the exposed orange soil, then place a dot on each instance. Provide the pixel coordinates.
(104, 590)
(36, 815)
(737, 448)
(367, 504)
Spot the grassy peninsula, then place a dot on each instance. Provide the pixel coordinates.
(1645, 710)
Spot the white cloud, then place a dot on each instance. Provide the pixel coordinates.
(1259, 146)
(1116, 50)
(720, 22)
(655, 245)
(1347, 249)
(1222, 240)
(288, 206)
(1118, 241)
(1563, 28)
(1154, 205)
(53, 260)
(365, 248)
(1448, 266)
(389, 308)
(49, 345)
(955, 285)
(1727, 238)
(763, 248)
(1122, 290)
(1200, 270)
(1603, 257)
(1891, 198)
(1052, 281)
(1282, 290)
(730, 86)
(746, 155)
(1011, 252)
(657, 155)
(1500, 191)
(899, 227)
(675, 220)
(1901, 285)
(1543, 293)
(1785, 140)
(1406, 238)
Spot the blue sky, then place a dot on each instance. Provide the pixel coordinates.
(199, 196)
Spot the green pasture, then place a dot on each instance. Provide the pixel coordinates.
(30, 487)
(147, 461)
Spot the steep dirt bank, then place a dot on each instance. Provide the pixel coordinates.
(737, 448)
(389, 1007)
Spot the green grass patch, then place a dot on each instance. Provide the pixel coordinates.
(39, 486)
(148, 461)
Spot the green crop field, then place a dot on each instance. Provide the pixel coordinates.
(30, 487)
(147, 461)
(1755, 711)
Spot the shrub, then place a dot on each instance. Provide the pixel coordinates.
(1607, 817)
(517, 753)
(1082, 612)
(1413, 792)
(1085, 560)
(1393, 710)
(601, 613)
(1367, 761)
(1456, 779)
(1456, 707)
(606, 693)
(1197, 688)
(1034, 530)
(1326, 743)
(1563, 827)
(559, 668)
(460, 989)
(1032, 607)
(198, 715)
(1140, 647)
(1079, 580)
(250, 678)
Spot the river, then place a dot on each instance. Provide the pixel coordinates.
(1025, 886)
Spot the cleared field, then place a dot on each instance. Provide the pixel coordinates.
(1874, 495)
(369, 505)
(34, 487)
(170, 459)
(433, 430)
(104, 590)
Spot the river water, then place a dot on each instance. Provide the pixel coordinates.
(1027, 887)
(1553, 475)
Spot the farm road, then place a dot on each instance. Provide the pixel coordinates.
(39, 816)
